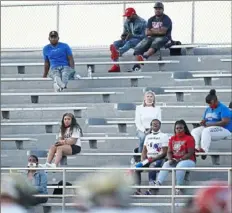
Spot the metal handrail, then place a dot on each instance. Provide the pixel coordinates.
(173, 170)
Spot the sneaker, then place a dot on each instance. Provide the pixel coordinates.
(156, 183)
(56, 87)
(48, 165)
(138, 192)
(135, 68)
(59, 82)
(148, 192)
(114, 68)
(140, 58)
(114, 52)
(77, 77)
(179, 192)
(203, 157)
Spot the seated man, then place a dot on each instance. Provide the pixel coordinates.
(153, 154)
(59, 59)
(133, 33)
(158, 33)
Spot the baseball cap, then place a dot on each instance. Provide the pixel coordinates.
(53, 33)
(159, 5)
(129, 12)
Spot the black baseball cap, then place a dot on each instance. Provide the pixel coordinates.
(53, 33)
(159, 5)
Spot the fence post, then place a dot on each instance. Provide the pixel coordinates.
(124, 8)
(58, 17)
(173, 190)
(63, 194)
(193, 23)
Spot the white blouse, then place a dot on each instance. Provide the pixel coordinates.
(72, 134)
(144, 115)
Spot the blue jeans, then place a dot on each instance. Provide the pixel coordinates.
(180, 174)
(141, 135)
(64, 73)
(151, 174)
(123, 46)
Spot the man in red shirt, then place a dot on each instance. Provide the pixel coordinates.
(181, 154)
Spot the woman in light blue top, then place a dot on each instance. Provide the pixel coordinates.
(215, 125)
(37, 178)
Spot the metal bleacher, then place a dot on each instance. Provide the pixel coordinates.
(32, 123)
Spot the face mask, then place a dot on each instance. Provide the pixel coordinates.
(213, 106)
(32, 165)
(180, 134)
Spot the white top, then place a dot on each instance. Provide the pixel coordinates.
(154, 142)
(144, 116)
(72, 134)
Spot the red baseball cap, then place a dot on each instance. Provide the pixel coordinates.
(129, 12)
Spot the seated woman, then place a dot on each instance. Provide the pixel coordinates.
(181, 154)
(153, 154)
(143, 116)
(38, 178)
(69, 142)
(216, 124)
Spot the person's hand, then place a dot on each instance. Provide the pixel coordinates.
(203, 123)
(172, 161)
(123, 36)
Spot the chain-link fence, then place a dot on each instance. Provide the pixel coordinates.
(98, 23)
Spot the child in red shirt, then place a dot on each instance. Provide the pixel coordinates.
(181, 154)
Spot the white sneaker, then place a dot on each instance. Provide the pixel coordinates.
(59, 82)
(51, 165)
(56, 87)
(76, 77)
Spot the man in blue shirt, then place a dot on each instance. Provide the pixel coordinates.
(58, 59)
(133, 33)
(158, 33)
(215, 125)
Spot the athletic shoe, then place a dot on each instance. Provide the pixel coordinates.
(114, 52)
(114, 68)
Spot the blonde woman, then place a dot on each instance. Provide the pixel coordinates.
(144, 114)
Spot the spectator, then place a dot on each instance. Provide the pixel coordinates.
(144, 114)
(37, 178)
(69, 142)
(181, 154)
(133, 33)
(158, 32)
(213, 199)
(216, 123)
(17, 194)
(107, 192)
(153, 154)
(59, 59)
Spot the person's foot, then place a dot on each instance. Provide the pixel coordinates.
(48, 165)
(156, 190)
(140, 58)
(76, 77)
(138, 192)
(203, 157)
(149, 192)
(114, 68)
(114, 52)
(135, 68)
(179, 192)
(56, 87)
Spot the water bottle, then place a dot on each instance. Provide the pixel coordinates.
(89, 72)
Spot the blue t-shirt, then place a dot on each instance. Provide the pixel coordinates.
(158, 22)
(57, 55)
(215, 115)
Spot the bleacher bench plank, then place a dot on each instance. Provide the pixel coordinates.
(35, 96)
(6, 111)
(226, 60)
(18, 141)
(180, 92)
(208, 77)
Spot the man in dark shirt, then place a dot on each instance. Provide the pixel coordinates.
(158, 33)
